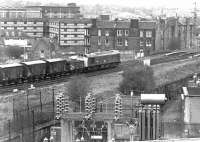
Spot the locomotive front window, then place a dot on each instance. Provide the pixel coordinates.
(92, 60)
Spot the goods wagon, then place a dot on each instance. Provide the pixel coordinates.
(101, 60)
(35, 69)
(11, 73)
(76, 65)
(57, 66)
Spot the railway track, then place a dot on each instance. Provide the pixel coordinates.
(54, 81)
(66, 78)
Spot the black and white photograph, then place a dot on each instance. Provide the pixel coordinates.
(99, 70)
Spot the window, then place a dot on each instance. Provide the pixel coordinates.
(99, 42)
(25, 22)
(148, 33)
(126, 42)
(119, 42)
(75, 24)
(119, 32)
(106, 33)
(5, 28)
(15, 28)
(15, 22)
(5, 22)
(88, 41)
(106, 42)
(35, 22)
(35, 27)
(141, 34)
(13, 33)
(99, 32)
(126, 32)
(141, 43)
(34, 33)
(25, 28)
(148, 43)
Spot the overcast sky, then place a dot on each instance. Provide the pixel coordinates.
(183, 4)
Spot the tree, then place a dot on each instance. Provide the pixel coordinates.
(175, 44)
(14, 51)
(78, 88)
(137, 78)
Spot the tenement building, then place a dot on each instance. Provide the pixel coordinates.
(135, 35)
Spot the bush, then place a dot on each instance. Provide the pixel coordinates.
(137, 78)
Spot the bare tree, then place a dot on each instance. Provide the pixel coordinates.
(78, 88)
(137, 78)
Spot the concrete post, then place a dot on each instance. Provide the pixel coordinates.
(109, 135)
(66, 130)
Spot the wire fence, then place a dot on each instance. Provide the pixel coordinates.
(22, 127)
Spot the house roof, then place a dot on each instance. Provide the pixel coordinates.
(38, 42)
(113, 24)
(147, 25)
(125, 24)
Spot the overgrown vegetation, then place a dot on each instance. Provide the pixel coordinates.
(137, 78)
(78, 88)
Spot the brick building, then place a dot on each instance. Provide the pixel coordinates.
(174, 28)
(132, 35)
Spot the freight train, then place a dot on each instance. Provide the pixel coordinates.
(50, 68)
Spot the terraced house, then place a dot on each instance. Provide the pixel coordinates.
(133, 35)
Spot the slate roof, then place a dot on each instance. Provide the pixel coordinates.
(113, 24)
(125, 24)
(147, 25)
(37, 42)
